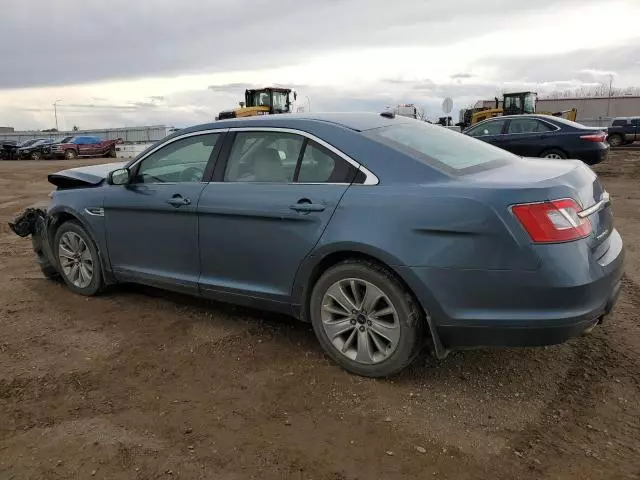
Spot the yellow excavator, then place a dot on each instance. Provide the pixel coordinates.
(518, 103)
(262, 101)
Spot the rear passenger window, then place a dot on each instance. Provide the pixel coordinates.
(319, 165)
(528, 125)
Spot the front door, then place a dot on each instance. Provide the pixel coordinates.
(272, 200)
(490, 132)
(151, 224)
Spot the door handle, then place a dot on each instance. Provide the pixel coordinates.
(178, 201)
(305, 206)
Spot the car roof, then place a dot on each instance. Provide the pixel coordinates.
(525, 115)
(354, 121)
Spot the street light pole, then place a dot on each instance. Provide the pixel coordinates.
(609, 97)
(55, 112)
(309, 102)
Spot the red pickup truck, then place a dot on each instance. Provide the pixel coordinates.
(84, 146)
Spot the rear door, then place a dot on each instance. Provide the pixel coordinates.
(272, 196)
(85, 146)
(95, 146)
(528, 137)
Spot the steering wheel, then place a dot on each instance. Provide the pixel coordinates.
(192, 174)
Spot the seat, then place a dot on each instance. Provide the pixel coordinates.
(268, 167)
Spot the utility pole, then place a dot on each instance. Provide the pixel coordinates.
(609, 97)
(55, 112)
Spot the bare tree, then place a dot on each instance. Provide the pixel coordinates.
(597, 91)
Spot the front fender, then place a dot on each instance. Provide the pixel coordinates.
(93, 224)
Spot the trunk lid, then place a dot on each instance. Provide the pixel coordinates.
(89, 176)
(536, 180)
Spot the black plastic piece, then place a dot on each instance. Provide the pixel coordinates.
(388, 115)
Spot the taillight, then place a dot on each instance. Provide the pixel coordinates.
(594, 137)
(555, 221)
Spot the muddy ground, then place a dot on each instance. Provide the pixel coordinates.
(142, 384)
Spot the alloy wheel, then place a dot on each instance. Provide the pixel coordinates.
(76, 260)
(553, 155)
(360, 321)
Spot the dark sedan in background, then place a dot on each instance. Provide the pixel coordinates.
(543, 136)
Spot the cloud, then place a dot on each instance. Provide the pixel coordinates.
(81, 41)
(574, 68)
(461, 75)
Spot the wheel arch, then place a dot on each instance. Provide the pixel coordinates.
(318, 263)
(322, 260)
(58, 216)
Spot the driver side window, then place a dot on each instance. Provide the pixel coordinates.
(184, 160)
(489, 128)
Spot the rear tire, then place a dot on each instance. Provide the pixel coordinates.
(380, 329)
(70, 154)
(78, 259)
(615, 140)
(554, 154)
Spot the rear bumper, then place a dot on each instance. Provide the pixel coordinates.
(490, 308)
(528, 335)
(592, 156)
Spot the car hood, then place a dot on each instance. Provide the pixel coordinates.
(91, 175)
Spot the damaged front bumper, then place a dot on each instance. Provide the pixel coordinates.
(34, 222)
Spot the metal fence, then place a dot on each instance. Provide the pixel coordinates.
(146, 134)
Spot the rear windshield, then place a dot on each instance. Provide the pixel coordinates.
(442, 148)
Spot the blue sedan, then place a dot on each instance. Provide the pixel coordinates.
(543, 136)
(384, 232)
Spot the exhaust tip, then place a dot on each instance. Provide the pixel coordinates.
(590, 328)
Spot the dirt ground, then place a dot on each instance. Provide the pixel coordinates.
(142, 384)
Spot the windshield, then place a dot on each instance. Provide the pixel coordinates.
(529, 103)
(442, 148)
(260, 99)
(28, 143)
(263, 99)
(280, 102)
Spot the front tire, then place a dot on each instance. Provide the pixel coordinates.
(35, 156)
(70, 154)
(365, 319)
(78, 259)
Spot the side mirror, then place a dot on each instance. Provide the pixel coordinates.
(118, 177)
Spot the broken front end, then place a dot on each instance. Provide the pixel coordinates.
(34, 222)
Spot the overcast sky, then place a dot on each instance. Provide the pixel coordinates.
(124, 62)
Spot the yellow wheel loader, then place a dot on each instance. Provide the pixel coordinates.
(262, 101)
